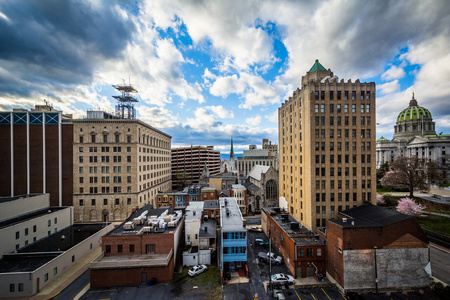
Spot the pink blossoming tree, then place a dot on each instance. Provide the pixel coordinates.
(380, 200)
(408, 206)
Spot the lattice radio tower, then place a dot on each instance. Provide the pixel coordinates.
(125, 102)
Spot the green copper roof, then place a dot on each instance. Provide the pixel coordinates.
(413, 113)
(317, 66)
(382, 139)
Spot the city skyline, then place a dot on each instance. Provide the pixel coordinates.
(209, 72)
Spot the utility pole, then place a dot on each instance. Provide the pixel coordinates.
(270, 261)
(376, 271)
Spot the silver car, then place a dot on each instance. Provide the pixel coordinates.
(195, 270)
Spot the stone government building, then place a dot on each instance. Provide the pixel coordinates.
(415, 135)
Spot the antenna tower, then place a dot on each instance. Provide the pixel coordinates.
(125, 102)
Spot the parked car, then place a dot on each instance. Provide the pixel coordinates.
(195, 270)
(254, 228)
(261, 242)
(278, 294)
(282, 279)
(275, 259)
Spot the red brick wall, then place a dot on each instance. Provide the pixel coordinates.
(20, 159)
(51, 163)
(132, 276)
(287, 249)
(5, 160)
(335, 259)
(36, 159)
(67, 164)
(163, 243)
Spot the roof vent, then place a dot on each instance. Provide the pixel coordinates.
(295, 225)
(193, 212)
(344, 220)
(353, 222)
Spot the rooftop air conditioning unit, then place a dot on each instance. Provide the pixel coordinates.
(146, 229)
(344, 220)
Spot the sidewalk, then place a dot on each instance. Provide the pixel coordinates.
(65, 279)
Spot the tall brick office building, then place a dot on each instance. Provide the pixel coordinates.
(327, 147)
(36, 153)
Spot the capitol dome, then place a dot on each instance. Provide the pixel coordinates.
(414, 120)
(414, 111)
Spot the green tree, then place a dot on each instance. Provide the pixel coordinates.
(382, 170)
(182, 179)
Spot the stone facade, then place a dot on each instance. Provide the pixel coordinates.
(327, 147)
(118, 165)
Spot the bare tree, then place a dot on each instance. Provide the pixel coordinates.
(412, 172)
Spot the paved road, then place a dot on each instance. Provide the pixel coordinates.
(440, 264)
(75, 287)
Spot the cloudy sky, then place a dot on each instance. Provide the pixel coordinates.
(207, 71)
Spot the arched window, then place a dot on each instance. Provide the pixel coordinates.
(271, 189)
(93, 215)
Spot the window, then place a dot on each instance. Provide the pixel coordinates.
(119, 248)
(93, 202)
(131, 248)
(17, 235)
(331, 108)
(346, 95)
(49, 223)
(116, 138)
(55, 270)
(331, 95)
(150, 248)
(108, 249)
(56, 220)
(129, 139)
(346, 108)
(81, 139)
(338, 108)
(81, 202)
(367, 108)
(46, 277)
(316, 108)
(105, 138)
(12, 287)
(117, 201)
(309, 252)
(20, 287)
(80, 159)
(353, 95)
(316, 95)
(34, 228)
(73, 258)
(301, 253)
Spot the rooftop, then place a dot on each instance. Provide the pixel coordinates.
(238, 187)
(369, 216)
(302, 236)
(28, 216)
(208, 229)
(230, 215)
(194, 210)
(211, 204)
(317, 66)
(35, 255)
(257, 170)
(163, 216)
(132, 261)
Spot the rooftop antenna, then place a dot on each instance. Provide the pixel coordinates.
(125, 102)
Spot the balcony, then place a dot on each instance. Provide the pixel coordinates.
(231, 257)
(235, 243)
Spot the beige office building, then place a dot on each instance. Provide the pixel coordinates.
(327, 147)
(119, 164)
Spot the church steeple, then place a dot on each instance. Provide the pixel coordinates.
(231, 151)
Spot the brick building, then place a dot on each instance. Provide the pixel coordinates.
(239, 192)
(140, 250)
(371, 248)
(179, 198)
(36, 154)
(209, 193)
(303, 251)
(327, 147)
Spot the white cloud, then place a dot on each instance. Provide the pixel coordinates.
(221, 111)
(273, 117)
(158, 117)
(202, 121)
(389, 87)
(392, 73)
(254, 121)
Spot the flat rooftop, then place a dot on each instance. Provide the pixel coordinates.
(132, 261)
(231, 221)
(35, 255)
(194, 211)
(28, 216)
(211, 204)
(301, 235)
(208, 229)
(369, 216)
(120, 230)
(6, 199)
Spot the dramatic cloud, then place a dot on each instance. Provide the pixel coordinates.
(393, 73)
(389, 87)
(221, 111)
